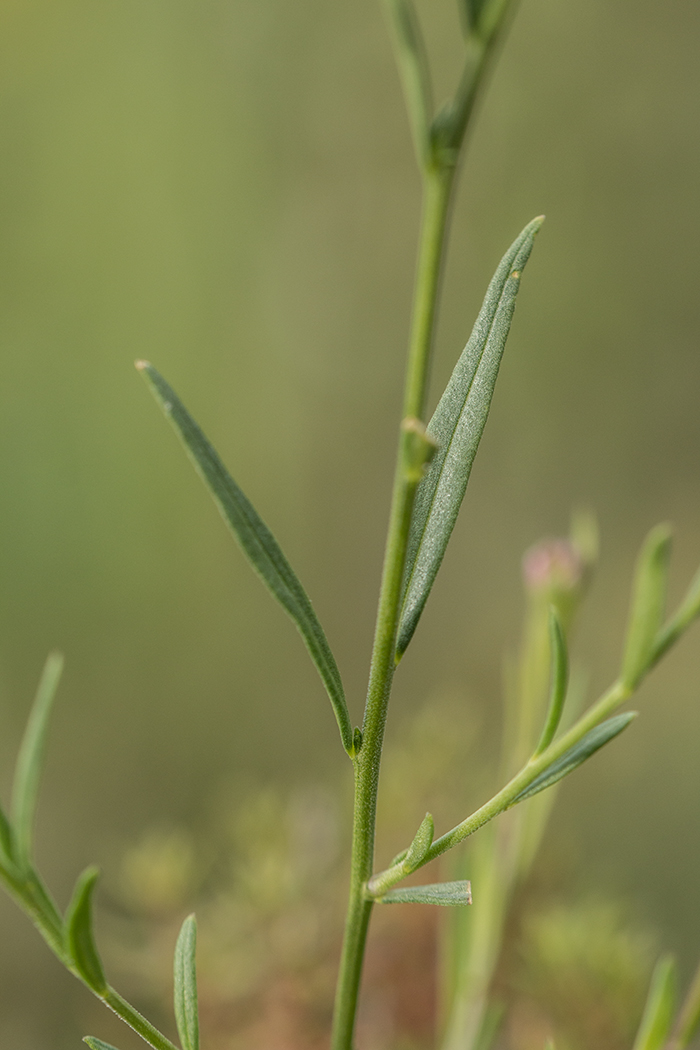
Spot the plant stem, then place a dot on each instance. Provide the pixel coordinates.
(135, 1020)
(437, 192)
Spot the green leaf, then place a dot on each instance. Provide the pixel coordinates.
(576, 755)
(648, 603)
(80, 941)
(25, 786)
(97, 1044)
(7, 844)
(660, 1005)
(422, 842)
(560, 679)
(457, 426)
(412, 60)
(687, 611)
(186, 1014)
(447, 894)
(689, 1018)
(256, 541)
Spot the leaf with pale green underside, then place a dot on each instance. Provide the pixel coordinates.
(647, 607)
(422, 841)
(30, 759)
(576, 755)
(80, 940)
(659, 1008)
(97, 1044)
(457, 426)
(445, 894)
(560, 678)
(185, 990)
(256, 541)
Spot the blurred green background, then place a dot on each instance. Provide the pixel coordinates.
(228, 189)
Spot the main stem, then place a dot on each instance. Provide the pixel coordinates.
(436, 200)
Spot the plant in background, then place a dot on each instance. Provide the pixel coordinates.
(545, 737)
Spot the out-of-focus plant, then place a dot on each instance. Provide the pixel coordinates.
(545, 738)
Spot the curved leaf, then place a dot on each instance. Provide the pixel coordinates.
(186, 1013)
(80, 941)
(256, 541)
(97, 1044)
(576, 755)
(457, 426)
(660, 1005)
(560, 679)
(648, 601)
(422, 841)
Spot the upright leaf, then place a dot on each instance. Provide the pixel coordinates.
(687, 611)
(25, 786)
(560, 679)
(256, 541)
(688, 1022)
(80, 940)
(457, 426)
(414, 71)
(576, 755)
(422, 841)
(660, 1005)
(186, 1013)
(446, 894)
(647, 608)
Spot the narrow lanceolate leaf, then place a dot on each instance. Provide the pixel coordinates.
(577, 755)
(647, 607)
(412, 60)
(256, 542)
(422, 841)
(7, 845)
(186, 1013)
(97, 1044)
(687, 611)
(25, 786)
(80, 940)
(457, 426)
(447, 894)
(560, 679)
(659, 1009)
(688, 1023)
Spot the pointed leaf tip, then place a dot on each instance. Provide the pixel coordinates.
(25, 787)
(80, 939)
(257, 543)
(559, 681)
(97, 1044)
(659, 1008)
(185, 990)
(422, 841)
(456, 427)
(647, 605)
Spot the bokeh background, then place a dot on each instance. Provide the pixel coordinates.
(228, 189)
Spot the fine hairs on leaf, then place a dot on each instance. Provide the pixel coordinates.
(456, 427)
(185, 985)
(445, 894)
(256, 541)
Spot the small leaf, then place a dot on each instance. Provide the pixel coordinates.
(412, 60)
(660, 1005)
(688, 1021)
(687, 611)
(186, 1014)
(560, 679)
(7, 845)
(97, 1044)
(648, 602)
(447, 894)
(80, 941)
(422, 842)
(456, 427)
(256, 541)
(576, 755)
(25, 786)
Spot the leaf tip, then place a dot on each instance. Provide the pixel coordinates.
(141, 366)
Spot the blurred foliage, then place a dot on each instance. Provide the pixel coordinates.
(229, 190)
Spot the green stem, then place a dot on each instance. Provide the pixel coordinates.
(437, 191)
(136, 1021)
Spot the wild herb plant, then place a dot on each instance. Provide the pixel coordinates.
(544, 742)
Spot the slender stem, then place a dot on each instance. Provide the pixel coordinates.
(135, 1020)
(437, 190)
